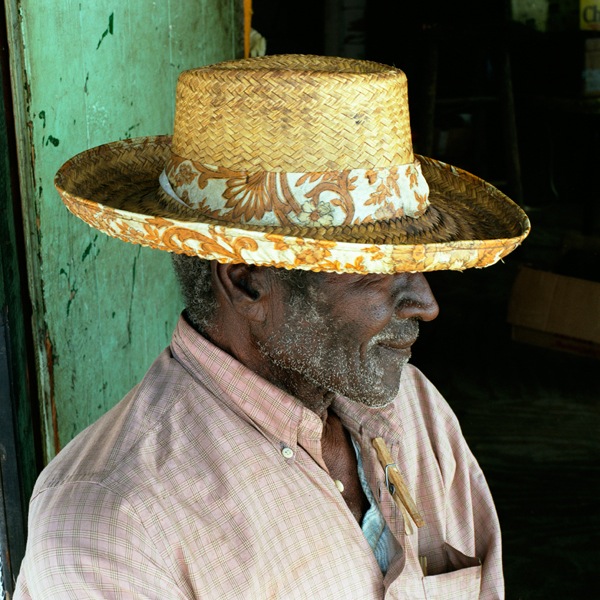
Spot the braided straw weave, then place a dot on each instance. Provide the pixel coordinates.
(239, 115)
(246, 117)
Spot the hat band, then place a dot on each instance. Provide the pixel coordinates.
(323, 199)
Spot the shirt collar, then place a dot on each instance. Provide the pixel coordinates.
(277, 414)
(365, 423)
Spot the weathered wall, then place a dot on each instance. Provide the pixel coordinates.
(85, 73)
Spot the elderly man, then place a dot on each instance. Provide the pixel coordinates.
(282, 446)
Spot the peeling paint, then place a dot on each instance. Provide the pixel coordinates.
(50, 370)
(52, 140)
(86, 251)
(97, 117)
(133, 282)
(29, 126)
(127, 134)
(108, 31)
(72, 289)
(72, 294)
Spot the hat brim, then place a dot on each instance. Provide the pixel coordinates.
(469, 223)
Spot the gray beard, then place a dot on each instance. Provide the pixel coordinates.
(306, 345)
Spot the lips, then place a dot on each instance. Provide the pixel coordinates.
(397, 344)
(398, 335)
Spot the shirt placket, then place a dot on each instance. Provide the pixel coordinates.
(405, 571)
(309, 433)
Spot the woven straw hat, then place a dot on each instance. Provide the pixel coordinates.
(295, 162)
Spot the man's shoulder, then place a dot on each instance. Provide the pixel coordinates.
(416, 387)
(117, 449)
(420, 397)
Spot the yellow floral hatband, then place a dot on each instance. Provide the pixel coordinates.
(325, 199)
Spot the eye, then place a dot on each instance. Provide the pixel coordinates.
(373, 280)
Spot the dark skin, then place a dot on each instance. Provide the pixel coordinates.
(374, 323)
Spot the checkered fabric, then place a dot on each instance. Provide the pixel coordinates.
(206, 481)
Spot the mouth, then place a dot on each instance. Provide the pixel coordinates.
(397, 345)
(396, 350)
(398, 340)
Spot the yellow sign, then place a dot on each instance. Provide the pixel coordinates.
(589, 15)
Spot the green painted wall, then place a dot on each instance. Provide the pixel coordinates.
(85, 73)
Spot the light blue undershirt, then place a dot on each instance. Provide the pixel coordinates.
(373, 525)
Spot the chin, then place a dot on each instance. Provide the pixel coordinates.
(375, 403)
(375, 398)
(374, 392)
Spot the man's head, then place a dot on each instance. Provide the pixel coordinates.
(312, 333)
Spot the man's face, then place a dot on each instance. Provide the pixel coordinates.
(350, 334)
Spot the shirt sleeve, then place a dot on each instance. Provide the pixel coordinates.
(87, 542)
(469, 500)
(471, 521)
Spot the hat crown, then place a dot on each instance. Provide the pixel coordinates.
(293, 113)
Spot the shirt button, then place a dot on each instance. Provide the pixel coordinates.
(287, 452)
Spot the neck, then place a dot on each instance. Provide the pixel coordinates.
(314, 397)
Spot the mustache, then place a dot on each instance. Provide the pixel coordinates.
(405, 331)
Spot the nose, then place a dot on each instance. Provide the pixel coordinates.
(418, 300)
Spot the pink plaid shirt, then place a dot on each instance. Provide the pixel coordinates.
(207, 481)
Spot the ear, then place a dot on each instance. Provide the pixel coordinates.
(245, 288)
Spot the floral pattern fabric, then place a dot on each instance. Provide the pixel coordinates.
(227, 245)
(323, 199)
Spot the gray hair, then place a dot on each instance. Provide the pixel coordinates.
(194, 276)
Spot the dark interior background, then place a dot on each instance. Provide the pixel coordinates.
(529, 413)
